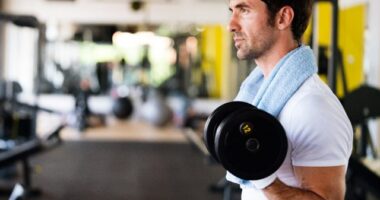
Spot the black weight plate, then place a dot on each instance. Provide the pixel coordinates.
(231, 145)
(215, 119)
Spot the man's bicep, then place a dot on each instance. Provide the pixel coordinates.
(327, 182)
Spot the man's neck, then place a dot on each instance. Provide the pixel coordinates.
(268, 61)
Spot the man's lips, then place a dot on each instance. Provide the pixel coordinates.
(237, 41)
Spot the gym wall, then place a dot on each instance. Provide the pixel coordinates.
(216, 49)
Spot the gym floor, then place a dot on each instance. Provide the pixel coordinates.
(126, 159)
(125, 170)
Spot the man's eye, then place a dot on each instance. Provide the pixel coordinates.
(244, 10)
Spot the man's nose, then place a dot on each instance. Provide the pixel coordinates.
(233, 24)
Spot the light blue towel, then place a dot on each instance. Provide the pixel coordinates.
(272, 93)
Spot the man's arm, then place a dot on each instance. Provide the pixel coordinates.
(317, 183)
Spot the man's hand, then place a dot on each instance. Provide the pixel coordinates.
(317, 183)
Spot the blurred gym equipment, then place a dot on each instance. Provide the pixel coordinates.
(361, 105)
(122, 107)
(18, 138)
(155, 110)
(15, 152)
(20, 20)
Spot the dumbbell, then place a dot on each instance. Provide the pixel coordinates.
(249, 143)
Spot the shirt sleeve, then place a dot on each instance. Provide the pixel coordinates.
(321, 133)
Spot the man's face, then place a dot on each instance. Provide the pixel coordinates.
(252, 33)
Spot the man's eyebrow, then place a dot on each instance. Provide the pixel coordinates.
(239, 5)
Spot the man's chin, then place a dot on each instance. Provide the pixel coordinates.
(241, 56)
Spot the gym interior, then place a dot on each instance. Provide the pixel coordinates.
(109, 99)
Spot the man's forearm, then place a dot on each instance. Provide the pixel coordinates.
(279, 191)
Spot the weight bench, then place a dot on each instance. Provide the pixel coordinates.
(23, 151)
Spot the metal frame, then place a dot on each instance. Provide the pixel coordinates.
(333, 61)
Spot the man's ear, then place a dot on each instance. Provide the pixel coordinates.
(284, 17)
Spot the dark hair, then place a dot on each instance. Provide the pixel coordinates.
(302, 11)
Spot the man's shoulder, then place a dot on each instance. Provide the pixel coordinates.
(313, 96)
(313, 104)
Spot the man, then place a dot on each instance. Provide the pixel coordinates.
(318, 130)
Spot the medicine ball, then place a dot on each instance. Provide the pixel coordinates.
(122, 107)
(155, 110)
